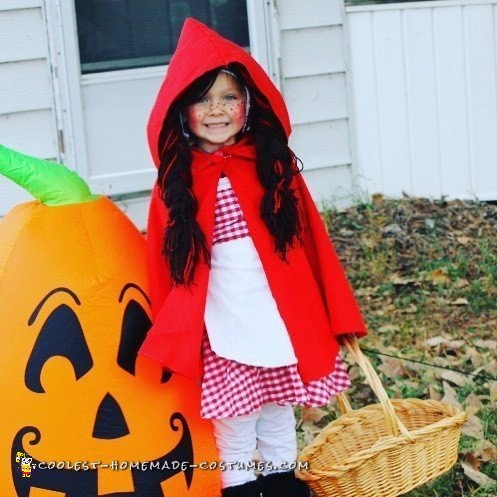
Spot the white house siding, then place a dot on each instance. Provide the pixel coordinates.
(27, 121)
(314, 84)
(308, 43)
(423, 81)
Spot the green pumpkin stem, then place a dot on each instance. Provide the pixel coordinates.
(49, 182)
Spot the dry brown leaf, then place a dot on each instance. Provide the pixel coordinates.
(392, 367)
(345, 232)
(441, 361)
(392, 229)
(313, 414)
(433, 342)
(486, 344)
(439, 277)
(412, 309)
(450, 396)
(493, 391)
(472, 352)
(471, 458)
(397, 280)
(461, 283)
(473, 403)
(455, 344)
(433, 393)
(492, 368)
(471, 410)
(377, 198)
(388, 328)
(464, 240)
(473, 427)
(455, 378)
(355, 374)
(477, 476)
(486, 451)
(477, 360)
(364, 292)
(459, 301)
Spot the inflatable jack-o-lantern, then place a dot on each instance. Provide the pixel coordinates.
(81, 414)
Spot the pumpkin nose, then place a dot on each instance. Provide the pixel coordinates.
(110, 422)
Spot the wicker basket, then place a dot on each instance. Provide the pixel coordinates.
(381, 450)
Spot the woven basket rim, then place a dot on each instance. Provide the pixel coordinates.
(455, 418)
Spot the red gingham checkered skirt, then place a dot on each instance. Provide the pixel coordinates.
(231, 389)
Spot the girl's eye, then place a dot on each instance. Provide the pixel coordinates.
(201, 100)
(230, 97)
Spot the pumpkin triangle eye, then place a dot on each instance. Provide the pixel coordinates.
(60, 335)
(135, 325)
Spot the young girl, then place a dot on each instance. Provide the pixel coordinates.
(248, 295)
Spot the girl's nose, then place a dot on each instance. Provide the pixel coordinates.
(215, 106)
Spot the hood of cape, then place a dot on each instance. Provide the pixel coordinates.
(199, 50)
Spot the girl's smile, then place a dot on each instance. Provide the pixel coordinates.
(217, 117)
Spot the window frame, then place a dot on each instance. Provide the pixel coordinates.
(68, 80)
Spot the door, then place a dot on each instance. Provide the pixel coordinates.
(111, 57)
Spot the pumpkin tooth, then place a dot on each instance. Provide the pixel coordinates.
(111, 480)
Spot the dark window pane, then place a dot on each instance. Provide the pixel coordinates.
(124, 34)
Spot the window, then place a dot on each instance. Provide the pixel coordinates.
(126, 34)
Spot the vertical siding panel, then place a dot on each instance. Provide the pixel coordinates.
(482, 102)
(365, 112)
(422, 102)
(391, 100)
(451, 95)
(445, 107)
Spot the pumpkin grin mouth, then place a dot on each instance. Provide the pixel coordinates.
(84, 483)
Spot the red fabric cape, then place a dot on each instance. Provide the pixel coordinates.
(312, 293)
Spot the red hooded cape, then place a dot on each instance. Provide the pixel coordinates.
(312, 293)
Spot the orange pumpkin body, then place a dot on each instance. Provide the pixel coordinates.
(73, 313)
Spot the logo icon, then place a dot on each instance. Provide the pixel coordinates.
(24, 461)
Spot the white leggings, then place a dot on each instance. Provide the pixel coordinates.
(271, 430)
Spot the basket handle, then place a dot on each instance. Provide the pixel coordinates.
(394, 425)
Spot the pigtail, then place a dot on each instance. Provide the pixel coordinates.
(279, 208)
(184, 243)
(276, 167)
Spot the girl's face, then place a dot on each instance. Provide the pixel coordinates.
(217, 117)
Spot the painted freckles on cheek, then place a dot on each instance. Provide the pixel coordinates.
(237, 109)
